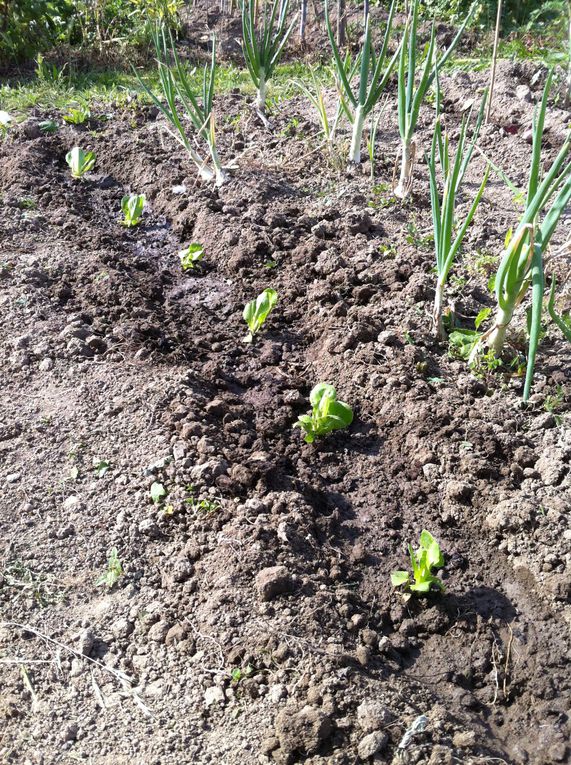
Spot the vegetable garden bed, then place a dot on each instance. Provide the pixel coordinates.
(254, 620)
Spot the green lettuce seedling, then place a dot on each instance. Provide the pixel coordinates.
(77, 116)
(132, 207)
(427, 557)
(79, 161)
(6, 121)
(256, 311)
(191, 256)
(48, 126)
(327, 413)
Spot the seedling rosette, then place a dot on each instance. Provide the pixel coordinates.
(327, 413)
(427, 557)
(114, 570)
(256, 311)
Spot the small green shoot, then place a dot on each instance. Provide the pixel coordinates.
(461, 343)
(101, 467)
(553, 402)
(79, 161)
(201, 506)
(427, 557)
(238, 674)
(132, 206)
(114, 570)
(256, 311)
(327, 413)
(482, 316)
(191, 256)
(27, 203)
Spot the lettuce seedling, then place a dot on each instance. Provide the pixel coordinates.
(79, 161)
(132, 207)
(6, 121)
(191, 256)
(48, 126)
(327, 413)
(256, 311)
(77, 116)
(427, 557)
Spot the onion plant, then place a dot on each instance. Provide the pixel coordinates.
(183, 103)
(374, 72)
(263, 45)
(449, 232)
(522, 263)
(409, 98)
(316, 95)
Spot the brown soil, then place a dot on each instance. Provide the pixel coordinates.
(111, 353)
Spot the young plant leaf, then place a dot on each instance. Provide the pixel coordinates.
(398, 578)
(77, 116)
(482, 316)
(462, 342)
(101, 467)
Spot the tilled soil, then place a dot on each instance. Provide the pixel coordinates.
(255, 621)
